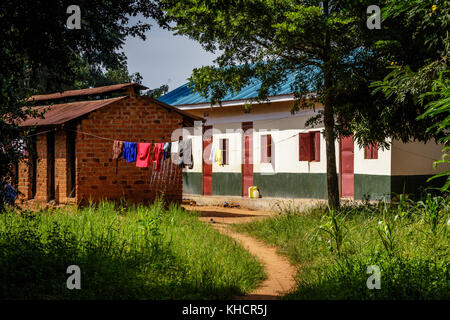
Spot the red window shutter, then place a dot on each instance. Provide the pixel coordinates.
(269, 147)
(367, 152)
(225, 148)
(375, 151)
(263, 149)
(371, 151)
(266, 148)
(304, 147)
(316, 146)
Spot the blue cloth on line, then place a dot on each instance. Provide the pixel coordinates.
(129, 151)
(9, 194)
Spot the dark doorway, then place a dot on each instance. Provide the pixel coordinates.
(33, 155)
(51, 165)
(71, 163)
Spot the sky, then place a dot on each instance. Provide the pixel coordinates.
(164, 58)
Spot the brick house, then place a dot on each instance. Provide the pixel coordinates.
(74, 141)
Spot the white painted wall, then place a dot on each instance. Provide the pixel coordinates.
(401, 159)
(416, 158)
(380, 166)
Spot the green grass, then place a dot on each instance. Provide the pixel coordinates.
(408, 242)
(123, 253)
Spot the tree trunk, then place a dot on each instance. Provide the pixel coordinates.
(330, 138)
(332, 180)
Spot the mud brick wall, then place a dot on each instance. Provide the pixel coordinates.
(134, 119)
(42, 170)
(25, 180)
(61, 166)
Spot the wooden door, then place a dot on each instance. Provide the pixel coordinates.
(347, 166)
(247, 165)
(207, 165)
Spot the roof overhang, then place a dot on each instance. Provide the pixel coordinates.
(86, 92)
(61, 113)
(232, 103)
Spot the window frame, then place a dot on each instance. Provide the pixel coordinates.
(371, 151)
(224, 145)
(309, 146)
(266, 148)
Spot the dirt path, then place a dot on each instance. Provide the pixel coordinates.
(280, 273)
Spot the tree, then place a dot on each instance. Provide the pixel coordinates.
(422, 79)
(326, 44)
(157, 92)
(38, 51)
(88, 77)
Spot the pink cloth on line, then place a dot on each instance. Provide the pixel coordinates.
(143, 155)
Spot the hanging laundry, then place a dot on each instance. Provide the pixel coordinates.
(129, 151)
(185, 153)
(218, 157)
(143, 155)
(117, 153)
(212, 154)
(117, 149)
(157, 154)
(175, 146)
(167, 150)
(9, 194)
(20, 146)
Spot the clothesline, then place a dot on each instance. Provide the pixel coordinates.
(42, 132)
(290, 137)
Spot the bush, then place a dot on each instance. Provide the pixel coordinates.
(400, 279)
(407, 240)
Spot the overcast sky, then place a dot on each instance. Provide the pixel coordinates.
(164, 58)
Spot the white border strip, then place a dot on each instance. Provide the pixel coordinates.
(247, 117)
(230, 103)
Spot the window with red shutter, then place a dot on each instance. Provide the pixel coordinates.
(266, 148)
(375, 151)
(309, 146)
(315, 145)
(225, 150)
(371, 151)
(304, 147)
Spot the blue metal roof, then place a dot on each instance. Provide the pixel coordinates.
(185, 95)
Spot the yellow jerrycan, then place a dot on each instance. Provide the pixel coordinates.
(253, 192)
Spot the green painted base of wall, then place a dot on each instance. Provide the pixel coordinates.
(192, 182)
(292, 185)
(227, 183)
(415, 185)
(372, 187)
(309, 185)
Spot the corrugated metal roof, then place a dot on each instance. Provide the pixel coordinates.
(184, 95)
(85, 92)
(61, 113)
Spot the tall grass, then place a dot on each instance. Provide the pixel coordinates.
(123, 252)
(408, 241)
